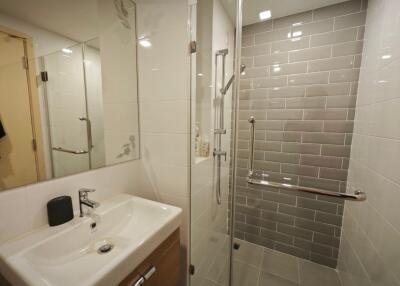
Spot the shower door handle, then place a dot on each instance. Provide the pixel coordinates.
(88, 132)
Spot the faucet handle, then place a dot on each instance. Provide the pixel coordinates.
(83, 193)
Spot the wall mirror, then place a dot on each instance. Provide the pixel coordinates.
(68, 88)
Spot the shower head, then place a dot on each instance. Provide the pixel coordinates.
(225, 89)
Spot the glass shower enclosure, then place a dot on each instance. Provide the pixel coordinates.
(308, 194)
(72, 78)
(213, 31)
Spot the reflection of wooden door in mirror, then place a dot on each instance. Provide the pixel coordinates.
(17, 155)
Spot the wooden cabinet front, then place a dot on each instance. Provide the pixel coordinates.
(160, 268)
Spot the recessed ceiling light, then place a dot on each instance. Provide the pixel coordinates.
(386, 57)
(264, 15)
(145, 43)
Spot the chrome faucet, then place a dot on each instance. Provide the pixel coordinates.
(84, 200)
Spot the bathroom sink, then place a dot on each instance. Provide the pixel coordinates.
(98, 250)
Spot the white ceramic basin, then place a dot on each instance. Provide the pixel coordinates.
(67, 254)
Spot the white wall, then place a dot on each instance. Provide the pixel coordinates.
(119, 84)
(164, 90)
(24, 209)
(369, 249)
(44, 42)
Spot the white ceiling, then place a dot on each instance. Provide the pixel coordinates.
(279, 8)
(74, 19)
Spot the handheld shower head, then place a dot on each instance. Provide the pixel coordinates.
(225, 89)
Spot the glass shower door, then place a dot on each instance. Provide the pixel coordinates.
(212, 61)
(320, 207)
(67, 111)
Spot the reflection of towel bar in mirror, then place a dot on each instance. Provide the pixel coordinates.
(75, 152)
(356, 196)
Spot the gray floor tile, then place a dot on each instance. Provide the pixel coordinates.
(313, 274)
(280, 264)
(249, 253)
(243, 274)
(210, 283)
(267, 279)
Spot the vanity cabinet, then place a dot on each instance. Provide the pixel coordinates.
(160, 268)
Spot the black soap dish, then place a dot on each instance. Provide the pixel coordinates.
(59, 210)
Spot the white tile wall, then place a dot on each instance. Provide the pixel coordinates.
(119, 85)
(24, 209)
(369, 253)
(164, 94)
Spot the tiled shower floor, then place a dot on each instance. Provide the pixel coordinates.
(259, 266)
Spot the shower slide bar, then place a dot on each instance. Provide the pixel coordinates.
(219, 129)
(356, 196)
(220, 124)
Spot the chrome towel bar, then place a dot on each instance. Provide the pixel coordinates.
(75, 152)
(357, 196)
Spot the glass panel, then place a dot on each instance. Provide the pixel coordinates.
(213, 29)
(66, 102)
(320, 83)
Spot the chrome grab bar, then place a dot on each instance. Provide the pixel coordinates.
(252, 121)
(75, 152)
(357, 196)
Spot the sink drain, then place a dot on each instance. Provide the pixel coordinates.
(106, 248)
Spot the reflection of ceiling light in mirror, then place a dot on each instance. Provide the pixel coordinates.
(200, 74)
(264, 15)
(297, 24)
(386, 57)
(295, 34)
(66, 51)
(277, 68)
(145, 43)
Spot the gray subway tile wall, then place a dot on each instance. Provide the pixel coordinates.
(300, 84)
